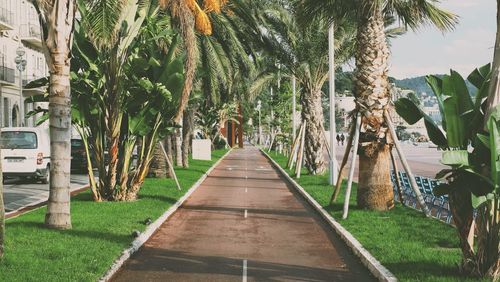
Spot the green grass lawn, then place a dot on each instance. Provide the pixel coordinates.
(101, 231)
(412, 247)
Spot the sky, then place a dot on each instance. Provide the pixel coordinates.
(429, 51)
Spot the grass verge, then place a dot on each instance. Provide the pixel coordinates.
(101, 231)
(412, 247)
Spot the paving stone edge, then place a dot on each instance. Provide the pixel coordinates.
(375, 267)
(151, 229)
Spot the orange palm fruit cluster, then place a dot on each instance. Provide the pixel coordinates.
(202, 21)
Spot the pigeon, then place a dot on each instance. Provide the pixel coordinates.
(135, 233)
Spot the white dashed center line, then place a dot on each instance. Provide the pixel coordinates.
(244, 270)
(246, 213)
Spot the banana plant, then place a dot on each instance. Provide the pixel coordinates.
(471, 152)
(151, 82)
(156, 79)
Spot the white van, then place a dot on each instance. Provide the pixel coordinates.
(26, 153)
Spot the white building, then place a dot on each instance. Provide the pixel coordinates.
(19, 28)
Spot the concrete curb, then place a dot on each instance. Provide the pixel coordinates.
(375, 267)
(151, 229)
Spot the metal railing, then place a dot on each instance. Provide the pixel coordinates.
(7, 74)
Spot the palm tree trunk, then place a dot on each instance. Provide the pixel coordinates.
(57, 46)
(312, 114)
(158, 167)
(2, 214)
(186, 21)
(494, 91)
(371, 90)
(488, 221)
(178, 148)
(187, 130)
(168, 149)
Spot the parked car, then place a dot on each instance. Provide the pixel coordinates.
(78, 156)
(26, 153)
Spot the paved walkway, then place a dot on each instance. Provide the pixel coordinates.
(244, 224)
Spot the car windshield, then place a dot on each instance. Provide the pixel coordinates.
(18, 140)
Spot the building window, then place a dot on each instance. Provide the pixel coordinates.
(5, 111)
(15, 114)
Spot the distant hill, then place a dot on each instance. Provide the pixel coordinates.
(419, 85)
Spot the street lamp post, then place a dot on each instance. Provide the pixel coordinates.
(21, 66)
(331, 62)
(259, 105)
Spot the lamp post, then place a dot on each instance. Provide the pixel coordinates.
(259, 106)
(331, 77)
(21, 66)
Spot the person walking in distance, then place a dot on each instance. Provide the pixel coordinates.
(338, 140)
(342, 138)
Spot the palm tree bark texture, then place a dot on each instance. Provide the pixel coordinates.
(375, 189)
(312, 114)
(57, 21)
(187, 135)
(158, 168)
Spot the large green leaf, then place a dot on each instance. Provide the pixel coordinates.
(436, 135)
(407, 109)
(436, 84)
(175, 84)
(455, 128)
(464, 99)
(176, 66)
(479, 76)
(484, 139)
(456, 158)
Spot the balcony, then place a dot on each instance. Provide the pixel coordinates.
(32, 91)
(7, 75)
(31, 36)
(6, 19)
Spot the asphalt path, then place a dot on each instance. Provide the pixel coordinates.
(424, 161)
(244, 223)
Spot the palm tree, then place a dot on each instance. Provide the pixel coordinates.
(371, 79)
(191, 16)
(57, 22)
(300, 52)
(494, 94)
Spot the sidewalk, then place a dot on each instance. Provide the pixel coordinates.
(244, 223)
(20, 195)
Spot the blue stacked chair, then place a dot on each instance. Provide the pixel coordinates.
(429, 195)
(438, 204)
